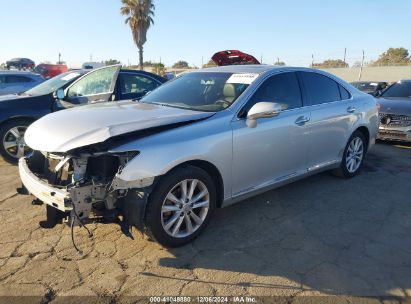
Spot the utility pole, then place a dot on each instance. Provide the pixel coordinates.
(59, 58)
(362, 65)
(278, 60)
(261, 61)
(312, 60)
(345, 55)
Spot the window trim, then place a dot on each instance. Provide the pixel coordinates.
(240, 113)
(323, 103)
(120, 78)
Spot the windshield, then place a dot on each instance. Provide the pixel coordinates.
(399, 89)
(53, 84)
(202, 91)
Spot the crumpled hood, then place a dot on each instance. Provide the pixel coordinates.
(401, 106)
(85, 125)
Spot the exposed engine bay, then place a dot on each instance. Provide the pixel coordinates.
(91, 186)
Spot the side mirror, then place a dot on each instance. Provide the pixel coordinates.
(262, 110)
(60, 94)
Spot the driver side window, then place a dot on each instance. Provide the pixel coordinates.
(95, 83)
(282, 88)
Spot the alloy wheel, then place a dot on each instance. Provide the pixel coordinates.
(13, 142)
(185, 208)
(355, 153)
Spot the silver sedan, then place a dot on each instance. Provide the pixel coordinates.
(204, 140)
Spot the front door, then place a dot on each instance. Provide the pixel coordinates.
(275, 149)
(95, 86)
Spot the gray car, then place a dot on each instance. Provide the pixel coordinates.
(14, 82)
(395, 112)
(204, 140)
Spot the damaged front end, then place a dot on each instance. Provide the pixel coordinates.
(82, 184)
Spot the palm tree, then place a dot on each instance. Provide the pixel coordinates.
(140, 15)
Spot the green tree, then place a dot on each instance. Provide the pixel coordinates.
(279, 63)
(139, 15)
(180, 64)
(209, 64)
(159, 68)
(331, 63)
(111, 62)
(394, 56)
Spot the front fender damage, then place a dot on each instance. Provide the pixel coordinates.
(133, 208)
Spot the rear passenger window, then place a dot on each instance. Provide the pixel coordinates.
(282, 88)
(344, 93)
(17, 79)
(320, 89)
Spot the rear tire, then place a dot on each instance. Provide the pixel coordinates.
(180, 206)
(353, 157)
(12, 145)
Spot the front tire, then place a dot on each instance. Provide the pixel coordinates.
(12, 144)
(353, 157)
(180, 206)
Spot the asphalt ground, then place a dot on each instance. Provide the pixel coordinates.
(320, 236)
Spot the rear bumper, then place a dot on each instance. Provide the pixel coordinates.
(48, 194)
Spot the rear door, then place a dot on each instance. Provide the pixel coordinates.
(135, 85)
(332, 116)
(96, 86)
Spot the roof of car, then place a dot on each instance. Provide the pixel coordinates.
(16, 72)
(252, 68)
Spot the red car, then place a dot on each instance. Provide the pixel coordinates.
(232, 57)
(50, 70)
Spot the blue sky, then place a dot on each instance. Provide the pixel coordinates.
(194, 29)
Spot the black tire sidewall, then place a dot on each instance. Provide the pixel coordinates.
(5, 128)
(157, 196)
(343, 166)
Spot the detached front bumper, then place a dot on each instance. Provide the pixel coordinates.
(48, 194)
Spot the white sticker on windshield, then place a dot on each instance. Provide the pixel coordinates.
(70, 76)
(242, 78)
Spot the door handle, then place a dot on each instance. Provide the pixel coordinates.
(302, 120)
(350, 109)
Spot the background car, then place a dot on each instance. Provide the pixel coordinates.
(233, 57)
(13, 82)
(50, 70)
(92, 65)
(370, 87)
(204, 140)
(67, 90)
(395, 112)
(20, 64)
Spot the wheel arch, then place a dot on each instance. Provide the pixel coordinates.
(214, 173)
(366, 133)
(13, 118)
